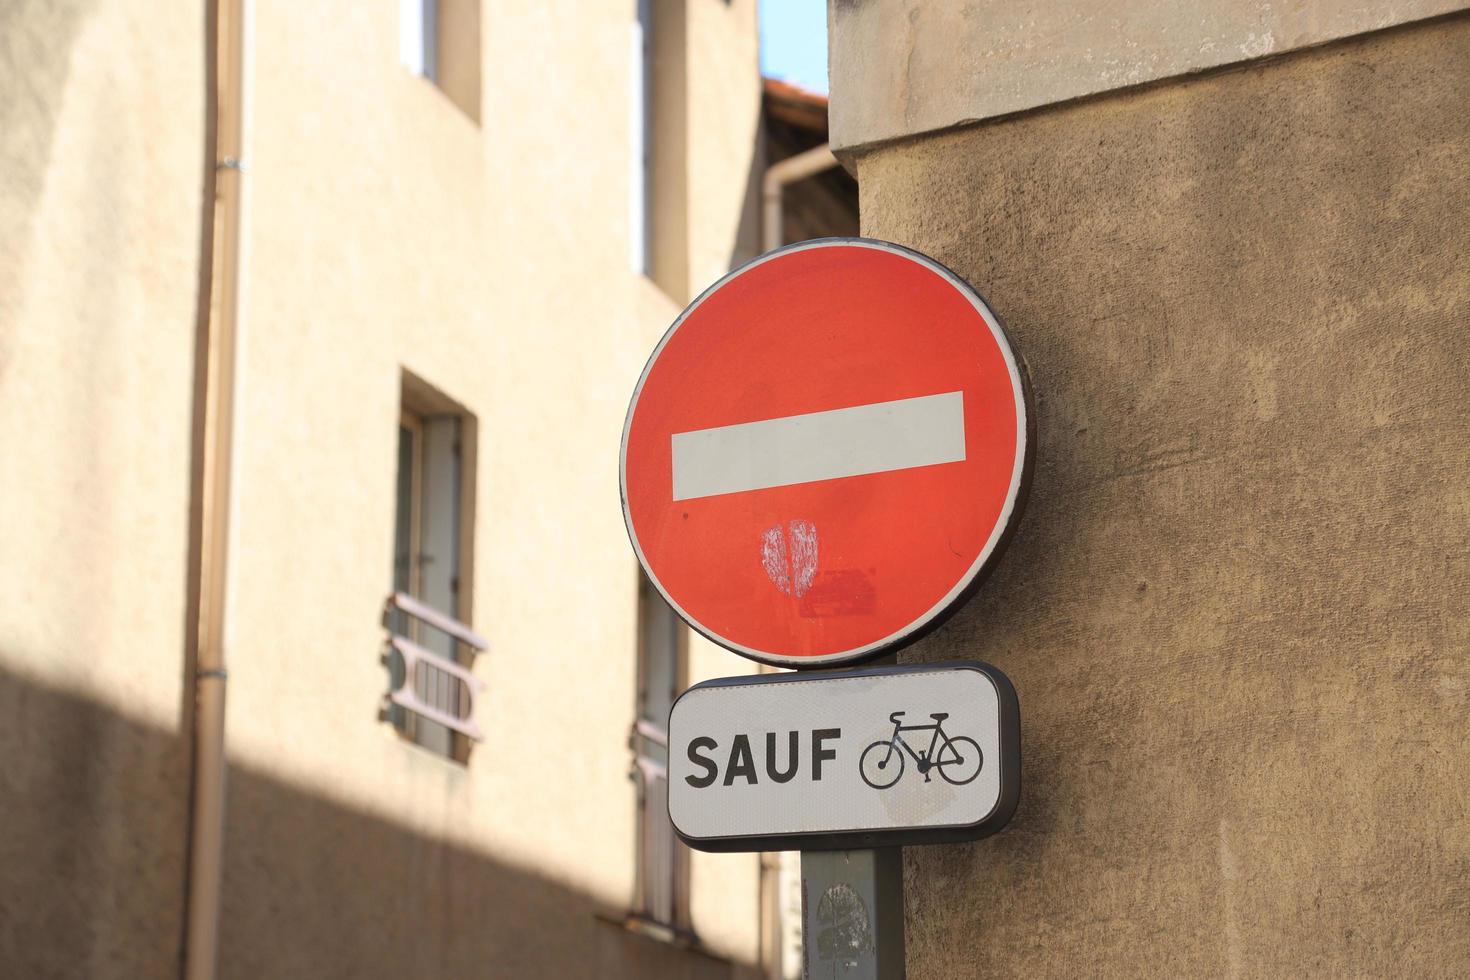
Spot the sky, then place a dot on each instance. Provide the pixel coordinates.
(794, 42)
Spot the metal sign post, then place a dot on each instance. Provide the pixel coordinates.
(852, 914)
(824, 456)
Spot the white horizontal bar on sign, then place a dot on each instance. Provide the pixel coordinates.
(876, 438)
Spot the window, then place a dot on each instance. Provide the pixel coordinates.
(662, 898)
(440, 40)
(657, 139)
(431, 701)
(640, 111)
(418, 40)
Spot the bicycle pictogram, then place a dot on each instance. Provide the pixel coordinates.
(958, 759)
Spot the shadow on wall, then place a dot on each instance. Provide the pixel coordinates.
(92, 828)
(93, 811)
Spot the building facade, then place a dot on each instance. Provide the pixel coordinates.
(1230, 241)
(463, 227)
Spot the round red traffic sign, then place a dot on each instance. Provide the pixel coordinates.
(825, 452)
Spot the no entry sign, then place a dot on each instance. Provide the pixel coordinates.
(825, 452)
(864, 758)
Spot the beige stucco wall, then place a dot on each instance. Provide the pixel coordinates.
(98, 152)
(387, 231)
(1236, 610)
(903, 67)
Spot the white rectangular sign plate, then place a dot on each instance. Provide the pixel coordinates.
(924, 753)
(856, 441)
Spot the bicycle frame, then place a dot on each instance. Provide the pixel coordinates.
(927, 759)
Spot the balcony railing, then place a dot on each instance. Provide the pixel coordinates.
(661, 898)
(434, 686)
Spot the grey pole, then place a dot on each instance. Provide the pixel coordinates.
(852, 914)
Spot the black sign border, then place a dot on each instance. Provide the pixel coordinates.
(848, 840)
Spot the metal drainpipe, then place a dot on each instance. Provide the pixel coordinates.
(217, 428)
(778, 175)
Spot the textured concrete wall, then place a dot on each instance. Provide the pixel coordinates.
(902, 67)
(1238, 607)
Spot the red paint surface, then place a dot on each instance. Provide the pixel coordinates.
(809, 331)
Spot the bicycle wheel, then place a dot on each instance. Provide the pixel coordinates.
(966, 762)
(881, 765)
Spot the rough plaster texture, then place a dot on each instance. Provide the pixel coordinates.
(492, 262)
(97, 153)
(1238, 607)
(903, 67)
(387, 232)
